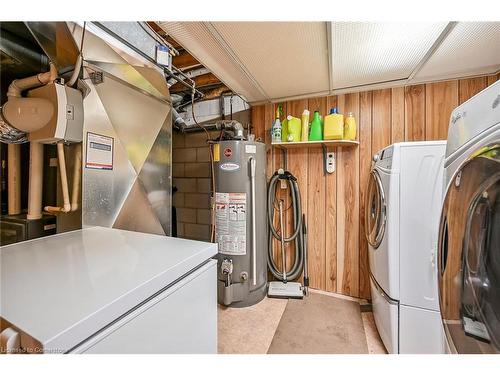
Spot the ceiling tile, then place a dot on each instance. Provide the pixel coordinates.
(471, 48)
(198, 40)
(366, 53)
(284, 58)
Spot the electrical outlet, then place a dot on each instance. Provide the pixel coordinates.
(330, 162)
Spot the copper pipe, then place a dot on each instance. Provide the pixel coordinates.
(35, 181)
(14, 179)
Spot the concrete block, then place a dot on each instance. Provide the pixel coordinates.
(197, 232)
(203, 185)
(203, 154)
(185, 185)
(180, 229)
(184, 155)
(177, 169)
(186, 215)
(197, 170)
(197, 139)
(195, 200)
(178, 200)
(203, 216)
(178, 140)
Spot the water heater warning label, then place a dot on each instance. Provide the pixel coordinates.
(231, 223)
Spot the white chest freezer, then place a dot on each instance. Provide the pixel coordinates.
(102, 290)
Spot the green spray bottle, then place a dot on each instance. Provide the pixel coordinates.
(316, 133)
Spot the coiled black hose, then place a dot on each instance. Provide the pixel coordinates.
(297, 236)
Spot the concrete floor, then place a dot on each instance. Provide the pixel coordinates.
(251, 330)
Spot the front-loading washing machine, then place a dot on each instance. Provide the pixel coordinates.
(402, 215)
(469, 234)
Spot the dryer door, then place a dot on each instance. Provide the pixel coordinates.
(375, 215)
(469, 255)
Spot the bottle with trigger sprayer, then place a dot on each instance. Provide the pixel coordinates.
(276, 128)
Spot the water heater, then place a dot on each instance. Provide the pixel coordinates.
(240, 221)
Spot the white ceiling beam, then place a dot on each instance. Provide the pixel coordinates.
(329, 48)
(446, 31)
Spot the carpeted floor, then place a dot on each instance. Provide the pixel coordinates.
(324, 321)
(320, 324)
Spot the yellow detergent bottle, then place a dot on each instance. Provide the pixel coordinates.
(294, 129)
(334, 125)
(350, 127)
(284, 130)
(305, 126)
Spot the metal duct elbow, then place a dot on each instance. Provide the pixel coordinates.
(232, 125)
(177, 121)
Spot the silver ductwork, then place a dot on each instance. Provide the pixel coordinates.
(128, 106)
(233, 125)
(23, 55)
(177, 121)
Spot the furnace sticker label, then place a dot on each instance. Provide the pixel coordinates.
(99, 152)
(231, 223)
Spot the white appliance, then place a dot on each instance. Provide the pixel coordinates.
(403, 205)
(102, 290)
(469, 234)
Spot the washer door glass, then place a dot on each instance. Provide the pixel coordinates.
(375, 215)
(469, 255)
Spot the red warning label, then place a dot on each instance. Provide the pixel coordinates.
(228, 152)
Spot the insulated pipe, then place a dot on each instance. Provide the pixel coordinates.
(19, 85)
(35, 181)
(77, 171)
(64, 182)
(19, 112)
(76, 71)
(14, 179)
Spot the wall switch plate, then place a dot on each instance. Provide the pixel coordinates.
(330, 162)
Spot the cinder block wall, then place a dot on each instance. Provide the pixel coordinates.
(191, 176)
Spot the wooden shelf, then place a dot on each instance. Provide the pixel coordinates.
(326, 143)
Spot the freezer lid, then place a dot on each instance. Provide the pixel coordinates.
(62, 289)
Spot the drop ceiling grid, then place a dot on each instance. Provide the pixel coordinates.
(470, 48)
(285, 58)
(200, 43)
(366, 53)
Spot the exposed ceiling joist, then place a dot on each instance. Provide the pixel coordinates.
(185, 60)
(215, 93)
(203, 80)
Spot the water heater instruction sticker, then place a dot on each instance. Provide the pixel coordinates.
(99, 152)
(231, 223)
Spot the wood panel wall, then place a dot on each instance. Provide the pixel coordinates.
(334, 203)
